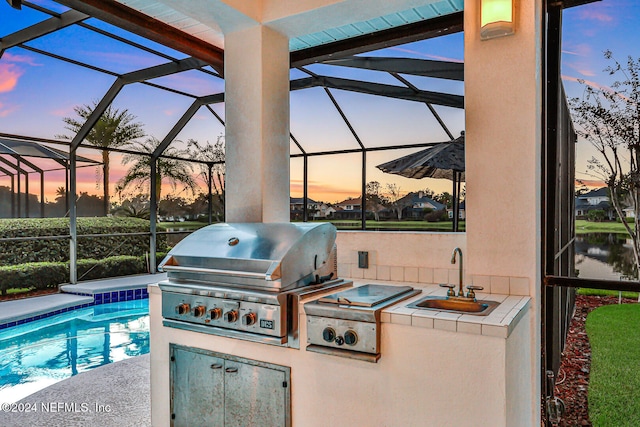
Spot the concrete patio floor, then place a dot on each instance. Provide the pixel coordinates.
(114, 395)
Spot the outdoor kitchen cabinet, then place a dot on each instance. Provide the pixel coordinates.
(214, 389)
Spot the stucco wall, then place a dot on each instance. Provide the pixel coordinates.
(425, 377)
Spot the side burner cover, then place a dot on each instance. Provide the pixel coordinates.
(366, 295)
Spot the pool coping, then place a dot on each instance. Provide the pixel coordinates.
(73, 297)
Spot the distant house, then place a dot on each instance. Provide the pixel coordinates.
(412, 206)
(315, 210)
(415, 205)
(462, 214)
(349, 209)
(629, 212)
(594, 200)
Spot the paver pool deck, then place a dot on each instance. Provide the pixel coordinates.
(113, 395)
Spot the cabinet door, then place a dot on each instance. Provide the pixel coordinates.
(254, 396)
(197, 389)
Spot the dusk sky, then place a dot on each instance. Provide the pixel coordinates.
(36, 92)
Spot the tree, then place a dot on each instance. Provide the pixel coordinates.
(115, 128)
(395, 199)
(609, 119)
(445, 198)
(173, 170)
(214, 155)
(375, 200)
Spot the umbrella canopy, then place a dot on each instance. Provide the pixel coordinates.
(444, 160)
(439, 161)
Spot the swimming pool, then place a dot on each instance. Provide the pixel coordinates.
(43, 352)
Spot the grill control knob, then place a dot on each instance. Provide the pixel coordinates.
(328, 334)
(249, 319)
(231, 316)
(339, 340)
(199, 311)
(215, 313)
(350, 337)
(183, 308)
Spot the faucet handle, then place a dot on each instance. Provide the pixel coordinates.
(450, 292)
(472, 288)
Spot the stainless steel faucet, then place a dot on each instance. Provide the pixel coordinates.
(453, 261)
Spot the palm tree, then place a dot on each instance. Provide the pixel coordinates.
(214, 155)
(115, 128)
(173, 170)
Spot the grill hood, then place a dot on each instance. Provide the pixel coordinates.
(265, 256)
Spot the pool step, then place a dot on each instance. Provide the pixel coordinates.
(17, 312)
(85, 294)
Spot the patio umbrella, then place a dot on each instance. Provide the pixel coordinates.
(444, 160)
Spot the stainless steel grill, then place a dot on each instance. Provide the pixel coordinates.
(245, 280)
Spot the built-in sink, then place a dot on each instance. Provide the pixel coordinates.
(455, 305)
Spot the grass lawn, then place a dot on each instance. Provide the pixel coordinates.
(605, 292)
(190, 225)
(583, 226)
(397, 225)
(614, 385)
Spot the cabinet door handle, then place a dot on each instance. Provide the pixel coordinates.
(231, 370)
(216, 366)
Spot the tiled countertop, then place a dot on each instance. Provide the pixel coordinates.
(499, 323)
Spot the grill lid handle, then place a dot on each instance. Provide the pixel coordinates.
(215, 271)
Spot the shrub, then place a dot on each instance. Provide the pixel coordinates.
(43, 275)
(33, 275)
(596, 215)
(57, 250)
(436, 216)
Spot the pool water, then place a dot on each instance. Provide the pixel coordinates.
(40, 353)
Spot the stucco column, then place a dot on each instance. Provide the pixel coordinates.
(257, 125)
(503, 98)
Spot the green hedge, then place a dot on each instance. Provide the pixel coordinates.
(43, 275)
(39, 251)
(34, 275)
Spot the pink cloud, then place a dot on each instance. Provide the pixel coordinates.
(9, 75)
(595, 15)
(5, 110)
(587, 73)
(586, 82)
(63, 111)
(593, 85)
(24, 59)
(582, 49)
(581, 68)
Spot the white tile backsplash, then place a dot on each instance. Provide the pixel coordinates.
(519, 286)
(397, 274)
(440, 275)
(425, 275)
(384, 272)
(497, 285)
(411, 274)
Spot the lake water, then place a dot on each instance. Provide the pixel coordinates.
(607, 256)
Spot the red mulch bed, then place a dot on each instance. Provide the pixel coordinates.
(573, 377)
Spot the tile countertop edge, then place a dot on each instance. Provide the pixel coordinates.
(500, 326)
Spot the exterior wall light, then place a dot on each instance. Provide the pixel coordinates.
(496, 18)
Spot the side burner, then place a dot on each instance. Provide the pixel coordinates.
(347, 323)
